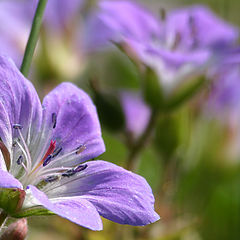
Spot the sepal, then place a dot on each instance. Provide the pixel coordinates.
(11, 199)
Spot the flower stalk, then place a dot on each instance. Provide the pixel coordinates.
(3, 218)
(133, 156)
(33, 37)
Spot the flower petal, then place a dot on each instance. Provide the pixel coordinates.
(76, 123)
(136, 111)
(8, 181)
(5, 133)
(117, 19)
(119, 195)
(19, 104)
(77, 210)
(191, 24)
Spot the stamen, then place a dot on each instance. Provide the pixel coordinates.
(80, 149)
(49, 157)
(50, 150)
(75, 170)
(69, 173)
(177, 41)
(54, 119)
(17, 126)
(80, 168)
(193, 30)
(52, 178)
(20, 160)
(47, 160)
(15, 142)
(56, 152)
(24, 153)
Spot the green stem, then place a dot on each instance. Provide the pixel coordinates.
(33, 37)
(3, 217)
(133, 157)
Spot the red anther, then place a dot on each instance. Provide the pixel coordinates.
(49, 151)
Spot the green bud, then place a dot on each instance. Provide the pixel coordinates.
(153, 92)
(167, 136)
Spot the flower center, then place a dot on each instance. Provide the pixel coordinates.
(42, 172)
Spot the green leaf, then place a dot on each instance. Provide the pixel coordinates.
(110, 111)
(185, 93)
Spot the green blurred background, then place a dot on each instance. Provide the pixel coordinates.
(190, 164)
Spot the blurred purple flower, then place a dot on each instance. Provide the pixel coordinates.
(190, 24)
(14, 29)
(117, 20)
(18, 15)
(176, 47)
(44, 150)
(224, 97)
(136, 112)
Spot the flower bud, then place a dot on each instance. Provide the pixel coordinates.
(16, 231)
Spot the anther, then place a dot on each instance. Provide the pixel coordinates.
(52, 178)
(54, 119)
(69, 173)
(15, 142)
(47, 160)
(20, 160)
(80, 149)
(80, 168)
(163, 14)
(56, 152)
(17, 126)
(75, 170)
(177, 40)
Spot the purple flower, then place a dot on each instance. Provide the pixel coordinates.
(117, 20)
(224, 97)
(177, 47)
(136, 112)
(190, 25)
(44, 150)
(18, 15)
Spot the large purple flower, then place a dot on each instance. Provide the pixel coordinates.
(177, 47)
(44, 150)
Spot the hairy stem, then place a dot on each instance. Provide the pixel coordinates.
(3, 218)
(136, 149)
(33, 37)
